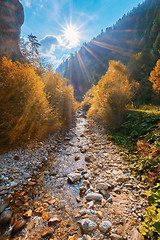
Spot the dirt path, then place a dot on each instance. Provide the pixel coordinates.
(73, 186)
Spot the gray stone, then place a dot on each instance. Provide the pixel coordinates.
(94, 196)
(105, 226)
(5, 217)
(74, 177)
(13, 184)
(87, 225)
(109, 200)
(3, 207)
(102, 186)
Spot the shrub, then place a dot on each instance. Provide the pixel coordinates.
(24, 107)
(110, 96)
(60, 97)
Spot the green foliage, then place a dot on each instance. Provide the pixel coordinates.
(139, 138)
(138, 125)
(151, 225)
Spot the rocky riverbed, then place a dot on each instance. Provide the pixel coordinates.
(72, 186)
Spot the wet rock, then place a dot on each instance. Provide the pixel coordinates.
(16, 157)
(86, 237)
(28, 214)
(94, 196)
(3, 207)
(130, 185)
(53, 221)
(103, 192)
(5, 217)
(82, 190)
(67, 139)
(3, 192)
(99, 214)
(109, 200)
(102, 186)
(117, 190)
(18, 226)
(87, 158)
(90, 204)
(86, 176)
(76, 158)
(87, 225)
(48, 231)
(2, 188)
(13, 184)
(83, 150)
(26, 175)
(74, 177)
(74, 237)
(116, 237)
(105, 226)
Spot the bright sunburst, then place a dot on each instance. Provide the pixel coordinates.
(71, 35)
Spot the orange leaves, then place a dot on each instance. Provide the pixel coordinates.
(111, 95)
(155, 77)
(146, 149)
(32, 107)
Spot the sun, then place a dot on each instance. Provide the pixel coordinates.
(72, 35)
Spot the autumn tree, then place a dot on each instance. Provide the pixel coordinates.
(155, 79)
(110, 96)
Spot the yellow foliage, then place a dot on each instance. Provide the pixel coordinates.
(60, 97)
(31, 106)
(24, 106)
(155, 77)
(110, 96)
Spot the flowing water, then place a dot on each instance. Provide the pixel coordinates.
(48, 193)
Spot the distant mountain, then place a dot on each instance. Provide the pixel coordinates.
(134, 39)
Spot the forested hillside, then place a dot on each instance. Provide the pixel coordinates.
(134, 40)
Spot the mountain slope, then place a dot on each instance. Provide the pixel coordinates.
(136, 32)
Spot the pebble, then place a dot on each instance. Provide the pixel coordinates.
(105, 226)
(87, 225)
(116, 237)
(109, 200)
(74, 237)
(101, 186)
(19, 225)
(48, 231)
(28, 214)
(16, 157)
(94, 196)
(90, 204)
(74, 177)
(53, 221)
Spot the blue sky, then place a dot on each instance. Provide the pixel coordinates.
(48, 20)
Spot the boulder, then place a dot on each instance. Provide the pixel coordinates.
(5, 217)
(11, 20)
